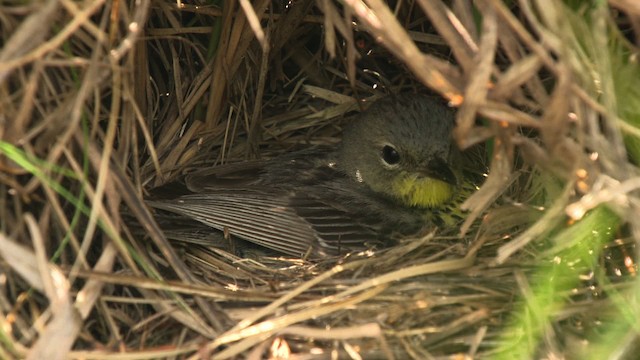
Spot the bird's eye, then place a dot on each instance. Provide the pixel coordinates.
(390, 155)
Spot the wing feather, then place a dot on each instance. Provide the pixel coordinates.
(280, 205)
(268, 218)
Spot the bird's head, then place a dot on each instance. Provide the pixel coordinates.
(401, 147)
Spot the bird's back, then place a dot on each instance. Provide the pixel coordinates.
(293, 204)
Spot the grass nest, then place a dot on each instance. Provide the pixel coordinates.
(104, 100)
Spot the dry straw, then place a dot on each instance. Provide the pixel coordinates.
(103, 100)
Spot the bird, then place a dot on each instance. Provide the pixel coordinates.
(395, 173)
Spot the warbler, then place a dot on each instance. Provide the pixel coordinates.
(395, 172)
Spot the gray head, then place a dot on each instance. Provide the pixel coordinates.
(401, 147)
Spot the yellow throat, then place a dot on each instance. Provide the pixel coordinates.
(422, 191)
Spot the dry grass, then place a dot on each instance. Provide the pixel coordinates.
(102, 101)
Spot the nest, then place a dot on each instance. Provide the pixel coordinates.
(102, 101)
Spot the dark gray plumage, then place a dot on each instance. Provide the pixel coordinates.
(328, 200)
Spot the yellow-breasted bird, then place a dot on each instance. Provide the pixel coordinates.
(395, 172)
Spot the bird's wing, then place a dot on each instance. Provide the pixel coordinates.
(286, 168)
(337, 230)
(227, 175)
(291, 223)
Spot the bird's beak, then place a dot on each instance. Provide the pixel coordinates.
(438, 169)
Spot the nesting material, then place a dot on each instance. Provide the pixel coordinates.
(104, 101)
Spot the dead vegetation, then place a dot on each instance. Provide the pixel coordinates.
(102, 101)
